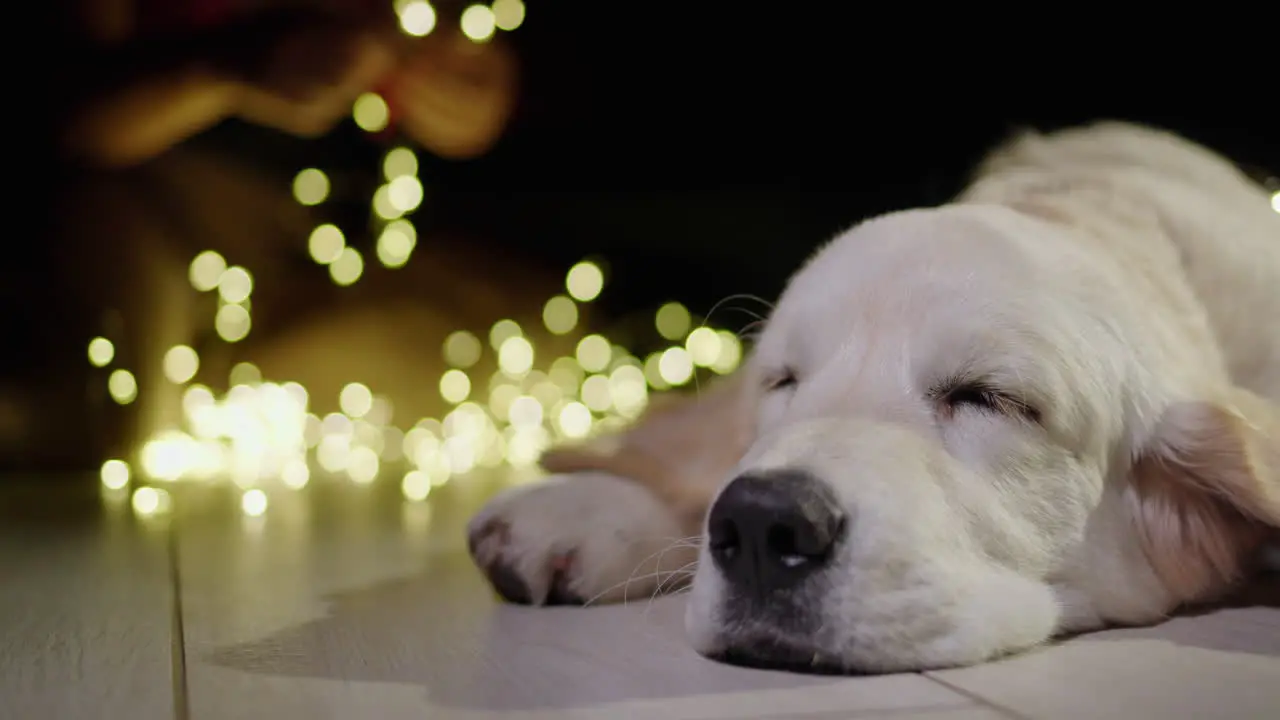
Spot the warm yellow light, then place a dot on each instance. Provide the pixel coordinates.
(652, 372)
(730, 353)
(169, 455)
(355, 400)
(399, 161)
(560, 314)
(575, 420)
(515, 356)
(244, 373)
(416, 485)
(180, 364)
(455, 386)
(417, 18)
(501, 331)
(205, 269)
(500, 399)
(362, 465)
(295, 474)
(122, 386)
(593, 353)
(1275, 201)
(382, 205)
(101, 352)
(566, 373)
(404, 226)
(703, 345)
(150, 501)
(115, 474)
(253, 502)
(584, 281)
(508, 14)
(675, 366)
(235, 284)
(394, 247)
(405, 193)
(310, 187)
(628, 390)
(672, 321)
(462, 349)
(525, 411)
(232, 323)
(326, 243)
(596, 393)
(547, 392)
(347, 268)
(371, 112)
(477, 22)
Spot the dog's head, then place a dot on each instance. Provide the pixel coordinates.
(959, 436)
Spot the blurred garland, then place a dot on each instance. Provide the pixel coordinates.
(261, 430)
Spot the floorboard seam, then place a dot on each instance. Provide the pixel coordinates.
(178, 644)
(975, 697)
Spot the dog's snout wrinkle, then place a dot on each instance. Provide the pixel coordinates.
(767, 531)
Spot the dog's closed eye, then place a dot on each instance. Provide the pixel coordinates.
(984, 398)
(780, 380)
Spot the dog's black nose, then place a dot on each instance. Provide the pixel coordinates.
(767, 531)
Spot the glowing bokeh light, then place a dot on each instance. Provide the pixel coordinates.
(232, 323)
(508, 14)
(394, 247)
(114, 474)
(253, 502)
(122, 386)
(180, 364)
(398, 162)
(462, 349)
(205, 269)
(310, 186)
(584, 281)
(455, 386)
(356, 400)
(347, 268)
(501, 331)
(326, 243)
(417, 18)
(416, 485)
(672, 321)
(370, 112)
(235, 285)
(515, 356)
(477, 23)
(703, 345)
(560, 315)
(593, 353)
(101, 352)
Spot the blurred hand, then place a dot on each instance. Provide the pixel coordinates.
(454, 95)
(311, 72)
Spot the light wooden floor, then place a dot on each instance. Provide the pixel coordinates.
(347, 602)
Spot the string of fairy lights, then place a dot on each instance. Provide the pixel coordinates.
(261, 434)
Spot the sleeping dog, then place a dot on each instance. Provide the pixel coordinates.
(1049, 406)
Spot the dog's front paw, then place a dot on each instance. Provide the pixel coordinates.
(579, 539)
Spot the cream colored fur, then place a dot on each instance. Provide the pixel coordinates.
(1123, 281)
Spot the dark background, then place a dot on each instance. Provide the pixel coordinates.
(704, 149)
(701, 150)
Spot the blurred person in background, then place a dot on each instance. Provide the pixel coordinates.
(142, 185)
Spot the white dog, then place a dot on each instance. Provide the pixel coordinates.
(1049, 406)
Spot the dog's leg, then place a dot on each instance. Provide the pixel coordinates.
(580, 538)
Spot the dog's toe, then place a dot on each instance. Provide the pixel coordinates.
(508, 583)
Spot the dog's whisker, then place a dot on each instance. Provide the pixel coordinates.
(690, 542)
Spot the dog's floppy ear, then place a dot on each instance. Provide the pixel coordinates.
(682, 448)
(1206, 491)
